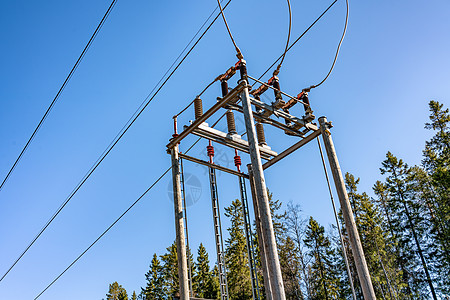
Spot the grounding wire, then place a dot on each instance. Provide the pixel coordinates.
(277, 71)
(344, 252)
(121, 216)
(238, 51)
(337, 50)
(58, 94)
(304, 32)
(109, 148)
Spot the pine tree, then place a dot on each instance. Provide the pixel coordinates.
(155, 288)
(238, 276)
(203, 281)
(116, 292)
(322, 272)
(134, 296)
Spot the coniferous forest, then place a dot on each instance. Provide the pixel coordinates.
(404, 229)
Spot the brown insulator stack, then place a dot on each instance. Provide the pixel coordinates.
(260, 134)
(198, 107)
(231, 123)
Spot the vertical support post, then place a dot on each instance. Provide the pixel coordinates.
(355, 242)
(273, 262)
(179, 226)
(262, 252)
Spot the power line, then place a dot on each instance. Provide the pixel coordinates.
(277, 71)
(66, 81)
(238, 51)
(110, 147)
(337, 50)
(295, 42)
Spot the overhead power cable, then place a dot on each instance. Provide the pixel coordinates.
(121, 216)
(58, 94)
(299, 38)
(238, 51)
(111, 146)
(337, 50)
(277, 71)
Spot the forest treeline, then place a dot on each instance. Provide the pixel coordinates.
(404, 230)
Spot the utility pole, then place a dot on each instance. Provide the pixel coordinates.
(270, 245)
(179, 225)
(263, 257)
(349, 220)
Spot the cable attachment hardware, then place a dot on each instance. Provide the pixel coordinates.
(228, 74)
(263, 88)
(198, 107)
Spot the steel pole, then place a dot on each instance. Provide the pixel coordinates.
(349, 220)
(179, 226)
(264, 267)
(276, 279)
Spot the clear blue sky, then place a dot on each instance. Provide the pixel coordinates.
(395, 58)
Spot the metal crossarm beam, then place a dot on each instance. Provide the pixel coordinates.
(230, 141)
(292, 149)
(232, 95)
(205, 163)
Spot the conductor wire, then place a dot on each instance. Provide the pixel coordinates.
(238, 51)
(277, 71)
(337, 50)
(299, 38)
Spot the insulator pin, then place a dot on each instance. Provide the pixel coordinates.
(231, 123)
(260, 134)
(198, 107)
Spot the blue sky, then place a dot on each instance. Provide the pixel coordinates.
(394, 59)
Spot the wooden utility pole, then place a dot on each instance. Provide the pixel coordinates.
(264, 267)
(179, 226)
(270, 245)
(349, 220)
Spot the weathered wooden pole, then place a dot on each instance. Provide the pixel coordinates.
(179, 226)
(270, 245)
(349, 220)
(265, 270)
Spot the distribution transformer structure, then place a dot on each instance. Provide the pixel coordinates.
(242, 99)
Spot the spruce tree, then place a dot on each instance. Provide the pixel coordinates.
(386, 277)
(409, 221)
(203, 281)
(437, 164)
(116, 292)
(155, 288)
(170, 271)
(323, 276)
(238, 276)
